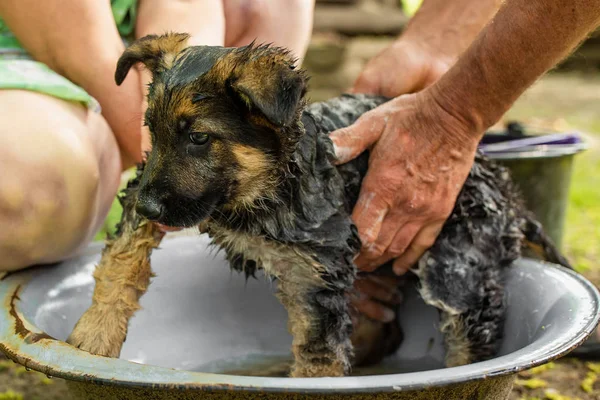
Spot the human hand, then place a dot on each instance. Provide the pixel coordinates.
(375, 297)
(420, 156)
(427, 48)
(415, 64)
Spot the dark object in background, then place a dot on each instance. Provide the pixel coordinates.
(541, 166)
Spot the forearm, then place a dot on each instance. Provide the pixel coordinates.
(72, 37)
(448, 27)
(524, 40)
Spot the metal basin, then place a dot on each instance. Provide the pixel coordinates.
(205, 332)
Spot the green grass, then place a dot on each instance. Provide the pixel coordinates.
(410, 7)
(582, 233)
(10, 395)
(114, 215)
(111, 221)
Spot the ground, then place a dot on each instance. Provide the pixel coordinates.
(561, 101)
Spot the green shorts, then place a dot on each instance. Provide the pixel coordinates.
(19, 71)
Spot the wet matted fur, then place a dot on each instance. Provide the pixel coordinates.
(237, 151)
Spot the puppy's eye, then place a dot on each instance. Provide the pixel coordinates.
(199, 138)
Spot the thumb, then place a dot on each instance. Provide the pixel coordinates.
(373, 80)
(351, 141)
(368, 82)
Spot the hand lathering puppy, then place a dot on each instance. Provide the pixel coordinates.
(237, 152)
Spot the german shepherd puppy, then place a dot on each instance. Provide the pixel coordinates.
(237, 152)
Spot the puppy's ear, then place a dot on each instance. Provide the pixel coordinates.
(267, 80)
(155, 52)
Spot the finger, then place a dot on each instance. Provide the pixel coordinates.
(373, 81)
(388, 281)
(421, 243)
(368, 215)
(372, 256)
(373, 309)
(379, 292)
(350, 142)
(404, 236)
(370, 265)
(165, 228)
(368, 82)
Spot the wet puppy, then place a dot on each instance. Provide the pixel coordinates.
(237, 152)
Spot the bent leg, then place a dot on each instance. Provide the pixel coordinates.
(60, 168)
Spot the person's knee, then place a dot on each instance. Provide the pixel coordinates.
(58, 178)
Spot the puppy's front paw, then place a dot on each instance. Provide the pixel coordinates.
(100, 331)
(318, 370)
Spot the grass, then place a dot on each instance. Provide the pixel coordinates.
(114, 214)
(582, 236)
(410, 7)
(111, 221)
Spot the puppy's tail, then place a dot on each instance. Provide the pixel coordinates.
(540, 243)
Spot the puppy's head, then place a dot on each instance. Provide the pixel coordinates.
(222, 120)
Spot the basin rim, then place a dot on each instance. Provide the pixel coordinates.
(37, 351)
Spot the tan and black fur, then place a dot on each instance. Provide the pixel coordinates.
(237, 152)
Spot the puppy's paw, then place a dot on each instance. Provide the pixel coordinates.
(318, 370)
(100, 331)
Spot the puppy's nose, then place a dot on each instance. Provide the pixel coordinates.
(149, 208)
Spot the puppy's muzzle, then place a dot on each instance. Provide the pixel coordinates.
(150, 206)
